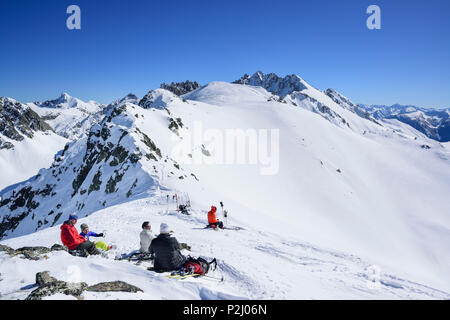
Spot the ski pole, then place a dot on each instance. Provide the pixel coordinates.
(221, 205)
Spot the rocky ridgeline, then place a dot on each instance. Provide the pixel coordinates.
(18, 121)
(274, 84)
(291, 89)
(349, 105)
(180, 88)
(116, 161)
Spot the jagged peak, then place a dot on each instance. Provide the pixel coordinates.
(273, 83)
(158, 99)
(181, 88)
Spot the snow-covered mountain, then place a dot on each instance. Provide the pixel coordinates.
(294, 90)
(434, 123)
(27, 142)
(68, 116)
(115, 161)
(327, 194)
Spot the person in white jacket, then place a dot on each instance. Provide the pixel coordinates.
(146, 237)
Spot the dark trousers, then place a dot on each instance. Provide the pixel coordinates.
(88, 246)
(217, 224)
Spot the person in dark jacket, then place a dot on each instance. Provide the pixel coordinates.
(166, 249)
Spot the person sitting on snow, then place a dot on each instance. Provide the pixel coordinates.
(213, 222)
(85, 233)
(166, 249)
(146, 237)
(74, 241)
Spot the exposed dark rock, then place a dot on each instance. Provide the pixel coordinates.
(180, 88)
(31, 253)
(48, 285)
(17, 120)
(113, 286)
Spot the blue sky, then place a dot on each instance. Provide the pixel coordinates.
(133, 46)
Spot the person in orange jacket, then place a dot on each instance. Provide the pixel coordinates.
(213, 222)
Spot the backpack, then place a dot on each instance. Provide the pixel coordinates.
(198, 266)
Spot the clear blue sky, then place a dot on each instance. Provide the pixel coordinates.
(133, 46)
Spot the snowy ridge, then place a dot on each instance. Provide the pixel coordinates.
(117, 160)
(294, 90)
(68, 116)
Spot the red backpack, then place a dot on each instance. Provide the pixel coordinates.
(198, 266)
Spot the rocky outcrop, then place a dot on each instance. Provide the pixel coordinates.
(18, 121)
(48, 285)
(5, 144)
(180, 88)
(271, 82)
(113, 286)
(31, 253)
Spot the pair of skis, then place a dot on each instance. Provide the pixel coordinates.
(194, 275)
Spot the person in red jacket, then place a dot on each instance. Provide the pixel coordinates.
(73, 240)
(213, 222)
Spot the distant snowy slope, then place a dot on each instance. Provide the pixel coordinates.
(68, 116)
(27, 142)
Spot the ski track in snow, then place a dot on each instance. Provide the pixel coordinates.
(254, 264)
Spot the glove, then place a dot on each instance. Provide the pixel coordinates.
(101, 235)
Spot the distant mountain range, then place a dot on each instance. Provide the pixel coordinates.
(434, 123)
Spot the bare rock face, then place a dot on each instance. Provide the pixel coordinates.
(31, 253)
(181, 88)
(17, 120)
(113, 286)
(48, 285)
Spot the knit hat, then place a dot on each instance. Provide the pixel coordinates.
(73, 216)
(164, 228)
(83, 226)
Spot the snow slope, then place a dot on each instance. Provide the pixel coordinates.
(247, 259)
(389, 201)
(28, 157)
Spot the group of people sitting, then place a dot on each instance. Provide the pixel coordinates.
(80, 242)
(164, 250)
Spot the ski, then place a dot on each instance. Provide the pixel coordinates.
(181, 277)
(233, 228)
